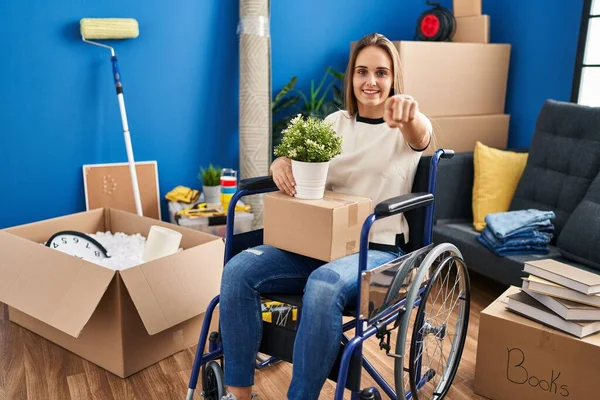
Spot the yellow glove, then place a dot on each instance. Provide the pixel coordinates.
(183, 194)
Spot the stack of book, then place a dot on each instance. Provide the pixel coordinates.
(560, 296)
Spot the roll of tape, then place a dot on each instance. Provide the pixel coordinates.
(254, 25)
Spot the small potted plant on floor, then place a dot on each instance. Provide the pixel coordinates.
(310, 143)
(211, 184)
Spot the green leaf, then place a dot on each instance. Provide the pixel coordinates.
(302, 95)
(322, 99)
(338, 96)
(287, 102)
(210, 176)
(289, 86)
(338, 75)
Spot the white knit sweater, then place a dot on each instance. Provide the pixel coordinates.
(376, 163)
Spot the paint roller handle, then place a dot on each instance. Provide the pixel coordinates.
(117, 74)
(127, 136)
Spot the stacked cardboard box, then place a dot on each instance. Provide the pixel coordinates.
(460, 85)
(462, 89)
(471, 25)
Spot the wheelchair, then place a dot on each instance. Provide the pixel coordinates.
(424, 295)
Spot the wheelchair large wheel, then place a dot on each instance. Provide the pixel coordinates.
(437, 327)
(213, 382)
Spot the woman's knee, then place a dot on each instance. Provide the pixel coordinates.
(237, 272)
(244, 267)
(324, 288)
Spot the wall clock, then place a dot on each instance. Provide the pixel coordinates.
(77, 244)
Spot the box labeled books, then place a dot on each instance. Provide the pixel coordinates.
(521, 358)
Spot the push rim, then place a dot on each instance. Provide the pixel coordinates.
(422, 275)
(442, 330)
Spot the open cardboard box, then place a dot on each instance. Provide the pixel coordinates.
(123, 321)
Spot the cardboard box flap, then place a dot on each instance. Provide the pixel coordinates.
(173, 289)
(53, 287)
(39, 232)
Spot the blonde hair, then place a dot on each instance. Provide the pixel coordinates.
(377, 40)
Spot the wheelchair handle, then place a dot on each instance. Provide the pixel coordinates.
(257, 183)
(400, 204)
(446, 153)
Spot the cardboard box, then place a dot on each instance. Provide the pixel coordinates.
(123, 321)
(454, 79)
(472, 29)
(518, 358)
(466, 8)
(461, 133)
(325, 229)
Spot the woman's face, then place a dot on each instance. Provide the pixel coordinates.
(372, 81)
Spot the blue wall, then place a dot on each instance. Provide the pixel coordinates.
(59, 109)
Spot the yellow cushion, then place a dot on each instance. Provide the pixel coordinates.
(496, 175)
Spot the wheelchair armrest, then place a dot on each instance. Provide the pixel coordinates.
(257, 183)
(446, 153)
(403, 203)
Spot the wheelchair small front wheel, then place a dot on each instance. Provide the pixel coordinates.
(440, 294)
(213, 382)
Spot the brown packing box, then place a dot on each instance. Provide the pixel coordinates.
(325, 229)
(454, 79)
(518, 358)
(466, 8)
(461, 133)
(123, 321)
(472, 29)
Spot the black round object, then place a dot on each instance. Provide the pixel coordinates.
(213, 382)
(436, 24)
(77, 244)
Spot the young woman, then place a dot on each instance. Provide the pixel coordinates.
(384, 135)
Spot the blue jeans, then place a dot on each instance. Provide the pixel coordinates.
(327, 288)
(505, 224)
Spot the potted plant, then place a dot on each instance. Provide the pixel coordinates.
(310, 143)
(211, 184)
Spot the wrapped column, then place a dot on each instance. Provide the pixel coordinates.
(255, 96)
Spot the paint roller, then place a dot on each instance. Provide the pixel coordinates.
(116, 28)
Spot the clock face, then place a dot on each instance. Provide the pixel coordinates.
(77, 244)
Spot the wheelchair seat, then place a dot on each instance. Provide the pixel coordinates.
(296, 300)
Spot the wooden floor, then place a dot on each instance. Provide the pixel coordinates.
(34, 368)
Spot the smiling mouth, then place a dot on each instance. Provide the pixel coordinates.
(365, 91)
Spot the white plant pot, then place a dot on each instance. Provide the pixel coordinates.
(310, 179)
(212, 194)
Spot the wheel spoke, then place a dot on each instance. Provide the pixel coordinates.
(444, 281)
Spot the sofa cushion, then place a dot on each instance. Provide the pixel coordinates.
(580, 237)
(564, 158)
(496, 175)
(506, 270)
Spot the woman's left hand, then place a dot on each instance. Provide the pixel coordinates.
(400, 110)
